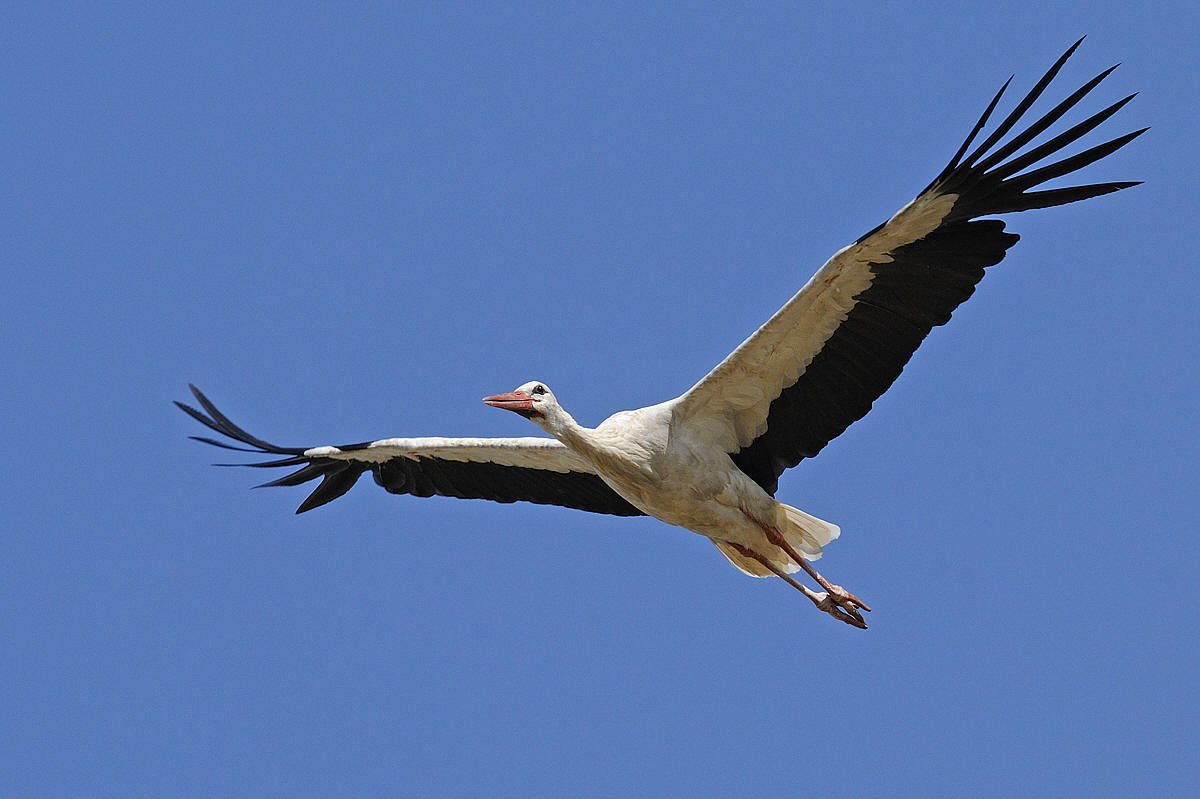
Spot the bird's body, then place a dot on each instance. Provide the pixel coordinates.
(710, 459)
(663, 470)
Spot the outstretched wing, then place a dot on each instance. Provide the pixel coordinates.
(538, 470)
(819, 363)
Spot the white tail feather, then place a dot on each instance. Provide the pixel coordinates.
(807, 534)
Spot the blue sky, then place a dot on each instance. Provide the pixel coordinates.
(353, 223)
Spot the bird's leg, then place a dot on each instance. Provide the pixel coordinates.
(836, 594)
(821, 600)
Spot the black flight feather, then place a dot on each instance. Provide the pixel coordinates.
(922, 282)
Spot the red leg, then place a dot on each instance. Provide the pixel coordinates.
(823, 601)
(848, 601)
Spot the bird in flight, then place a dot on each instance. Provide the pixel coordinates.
(710, 459)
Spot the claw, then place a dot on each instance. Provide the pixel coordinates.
(848, 613)
(854, 620)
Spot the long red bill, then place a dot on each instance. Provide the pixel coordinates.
(511, 401)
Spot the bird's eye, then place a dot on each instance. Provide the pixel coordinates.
(539, 390)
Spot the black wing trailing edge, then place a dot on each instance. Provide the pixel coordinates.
(925, 280)
(420, 476)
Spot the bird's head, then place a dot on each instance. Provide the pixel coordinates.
(531, 400)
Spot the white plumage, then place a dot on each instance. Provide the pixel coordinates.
(710, 459)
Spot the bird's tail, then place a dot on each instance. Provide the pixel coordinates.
(807, 534)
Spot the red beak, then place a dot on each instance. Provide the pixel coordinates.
(517, 401)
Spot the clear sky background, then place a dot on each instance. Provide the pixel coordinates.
(353, 223)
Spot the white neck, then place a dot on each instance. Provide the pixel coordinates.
(558, 423)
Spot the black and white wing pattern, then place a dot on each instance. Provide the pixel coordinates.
(819, 363)
(538, 470)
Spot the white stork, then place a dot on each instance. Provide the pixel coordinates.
(709, 460)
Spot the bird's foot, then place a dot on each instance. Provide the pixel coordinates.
(847, 599)
(842, 605)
